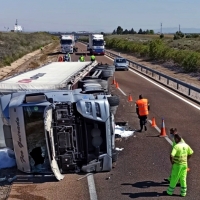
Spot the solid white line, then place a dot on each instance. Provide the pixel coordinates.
(167, 138)
(91, 186)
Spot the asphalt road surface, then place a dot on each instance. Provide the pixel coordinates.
(144, 162)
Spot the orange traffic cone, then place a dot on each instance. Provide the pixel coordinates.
(117, 85)
(163, 131)
(153, 124)
(114, 82)
(130, 98)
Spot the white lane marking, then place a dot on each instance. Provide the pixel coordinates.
(122, 91)
(109, 58)
(167, 138)
(91, 186)
(172, 93)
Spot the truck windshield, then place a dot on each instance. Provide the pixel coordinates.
(98, 42)
(35, 135)
(69, 42)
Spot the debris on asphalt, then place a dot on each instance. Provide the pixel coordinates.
(119, 149)
(121, 131)
(83, 176)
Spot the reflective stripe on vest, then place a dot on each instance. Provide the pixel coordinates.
(142, 106)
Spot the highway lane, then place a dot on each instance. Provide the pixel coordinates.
(145, 157)
(142, 164)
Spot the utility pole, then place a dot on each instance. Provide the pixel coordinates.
(179, 28)
(161, 28)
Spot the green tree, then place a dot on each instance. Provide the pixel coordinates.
(119, 30)
(151, 31)
(140, 31)
(125, 31)
(114, 32)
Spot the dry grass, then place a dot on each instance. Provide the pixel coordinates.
(16, 45)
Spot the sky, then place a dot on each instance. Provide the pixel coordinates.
(104, 15)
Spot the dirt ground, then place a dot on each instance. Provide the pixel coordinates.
(166, 68)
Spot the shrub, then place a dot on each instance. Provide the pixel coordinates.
(15, 45)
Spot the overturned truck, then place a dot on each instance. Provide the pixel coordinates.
(60, 118)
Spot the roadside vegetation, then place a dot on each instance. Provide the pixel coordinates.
(15, 45)
(183, 50)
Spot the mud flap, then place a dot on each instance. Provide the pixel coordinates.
(50, 143)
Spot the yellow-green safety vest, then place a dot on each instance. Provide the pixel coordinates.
(180, 152)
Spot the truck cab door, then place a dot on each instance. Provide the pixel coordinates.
(50, 143)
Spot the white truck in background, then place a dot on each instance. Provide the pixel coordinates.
(96, 44)
(67, 43)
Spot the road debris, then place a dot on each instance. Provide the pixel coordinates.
(84, 176)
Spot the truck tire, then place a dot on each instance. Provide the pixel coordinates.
(107, 73)
(114, 155)
(103, 83)
(113, 100)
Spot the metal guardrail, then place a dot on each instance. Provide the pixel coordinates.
(187, 90)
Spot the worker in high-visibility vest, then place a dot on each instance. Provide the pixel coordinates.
(172, 132)
(142, 110)
(92, 58)
(82, 59)
(180, 154)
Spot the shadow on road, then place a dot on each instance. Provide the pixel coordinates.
(146, 194)
(146, 184)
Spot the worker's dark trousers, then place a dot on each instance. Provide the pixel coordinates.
(143, 121)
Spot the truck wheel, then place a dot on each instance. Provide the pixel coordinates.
(107, 73)
(113, 100)
(114, 155)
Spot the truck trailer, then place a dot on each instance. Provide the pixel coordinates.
(60, 118)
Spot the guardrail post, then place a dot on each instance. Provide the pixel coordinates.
(189, 91)
(152, 74)
(167, 81)
(177, 86)
(159, 77)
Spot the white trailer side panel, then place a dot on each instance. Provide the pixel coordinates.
(50, 76)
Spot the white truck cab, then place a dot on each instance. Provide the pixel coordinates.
(96, 44)
(67, 43)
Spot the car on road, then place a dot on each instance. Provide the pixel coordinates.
(121, 63)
